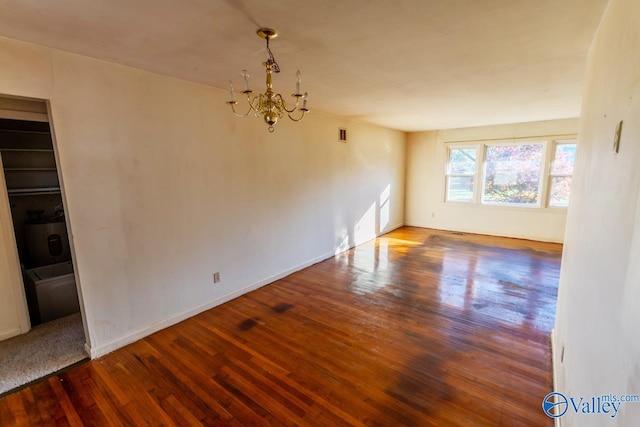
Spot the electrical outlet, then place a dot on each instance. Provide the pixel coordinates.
(216, 277)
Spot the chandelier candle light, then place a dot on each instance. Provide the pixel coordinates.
(269, 105)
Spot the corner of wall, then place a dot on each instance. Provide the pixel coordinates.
(556, 364)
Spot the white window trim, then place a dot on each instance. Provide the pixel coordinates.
(447, 174)
(550, 175)
(549, 144)
(538, 204)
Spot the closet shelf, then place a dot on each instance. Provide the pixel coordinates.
(30, 169)
(43, 150)
(33, 191)
(36, 132)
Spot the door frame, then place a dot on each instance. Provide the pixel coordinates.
(18, 110)
(15, 272)
(67, 219)
(13, 261)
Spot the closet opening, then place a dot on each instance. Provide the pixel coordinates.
(37, 211)
(38, 218)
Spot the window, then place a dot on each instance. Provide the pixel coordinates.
(461, 172)
(524, 173)
(561, 172)
(512, 174)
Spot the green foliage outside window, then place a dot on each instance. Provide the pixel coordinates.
(512, 174)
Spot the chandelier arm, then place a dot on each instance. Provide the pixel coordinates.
(255, 102)
(233, 107)
(259, 104)
(284, 104)
(301, 116)
(279, 104)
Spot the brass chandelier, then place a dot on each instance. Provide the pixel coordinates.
(270, 105)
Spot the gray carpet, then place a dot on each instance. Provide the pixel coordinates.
(45, 349)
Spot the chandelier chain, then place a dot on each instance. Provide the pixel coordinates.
(272, 60)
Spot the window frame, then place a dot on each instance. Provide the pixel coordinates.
(549, 144)
(551, 175)
(447, 175)
(540, 194)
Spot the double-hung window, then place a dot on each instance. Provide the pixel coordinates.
(524, 173)
(461, 174)
(512, 174)
(560, 173)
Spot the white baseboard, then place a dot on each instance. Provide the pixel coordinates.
(381, 233)
(486, 233)
(392, 228)
(95, 352)
(5, 335)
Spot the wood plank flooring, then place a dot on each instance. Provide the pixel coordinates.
(417, 328)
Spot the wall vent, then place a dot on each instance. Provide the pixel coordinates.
(342, 135)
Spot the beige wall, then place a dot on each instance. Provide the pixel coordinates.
(598, 318)
(164, 187)
(425, 206)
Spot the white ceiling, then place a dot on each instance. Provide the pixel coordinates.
(404, 64)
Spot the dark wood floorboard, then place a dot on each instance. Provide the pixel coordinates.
(419, 328)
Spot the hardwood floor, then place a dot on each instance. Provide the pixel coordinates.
(419, 328)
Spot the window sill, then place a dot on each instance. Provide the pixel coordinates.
(504, 207)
